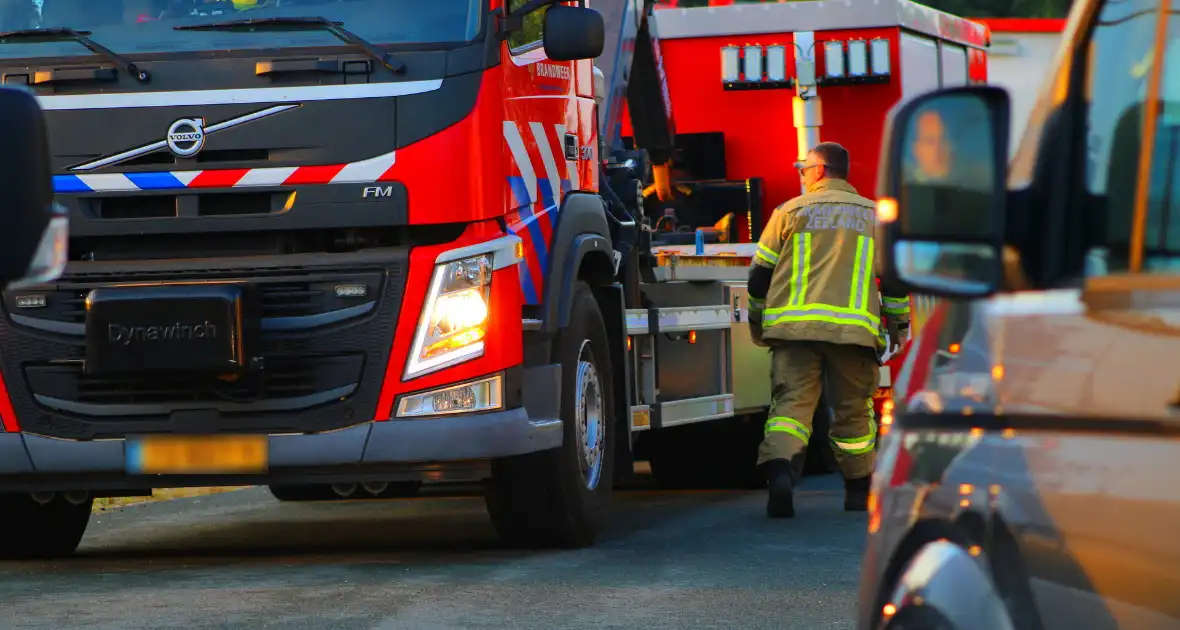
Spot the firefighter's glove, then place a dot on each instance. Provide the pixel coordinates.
(756, 330)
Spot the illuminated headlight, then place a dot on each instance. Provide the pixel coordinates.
(454, 319)
(482, 395)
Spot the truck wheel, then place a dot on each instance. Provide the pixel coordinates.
(390, 490)
(303, 492)
(31, 529)
(559, 497)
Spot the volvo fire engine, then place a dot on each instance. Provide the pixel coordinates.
(349, 247)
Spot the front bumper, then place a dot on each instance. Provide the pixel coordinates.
(372, 449)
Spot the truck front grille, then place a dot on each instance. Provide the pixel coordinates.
(284, 381)
(324, 345)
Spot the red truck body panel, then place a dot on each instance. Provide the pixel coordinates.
(760, 137)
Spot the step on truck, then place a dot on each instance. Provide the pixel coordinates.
(346, 248)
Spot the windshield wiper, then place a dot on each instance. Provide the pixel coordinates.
(59, 33)
(297, 23)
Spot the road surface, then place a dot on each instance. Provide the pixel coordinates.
(243, 560)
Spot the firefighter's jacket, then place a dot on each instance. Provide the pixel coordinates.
(819, 248)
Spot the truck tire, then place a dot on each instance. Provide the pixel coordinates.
(559, 497)
(303, 492)
(389, 490)
(30, 529)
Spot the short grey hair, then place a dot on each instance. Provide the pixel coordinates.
(835, 158)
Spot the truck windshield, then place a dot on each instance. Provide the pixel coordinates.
(135, 27)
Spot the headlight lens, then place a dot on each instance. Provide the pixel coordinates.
(454, 318)
(483, 395)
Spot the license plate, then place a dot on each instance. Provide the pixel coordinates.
(197, 455)
(150, 329)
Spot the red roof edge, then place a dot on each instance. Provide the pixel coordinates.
(1023, 25)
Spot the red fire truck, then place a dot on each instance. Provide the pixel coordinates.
(742, 127)
(350, 247)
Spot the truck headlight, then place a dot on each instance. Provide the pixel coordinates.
(486, 394)
(454, 318)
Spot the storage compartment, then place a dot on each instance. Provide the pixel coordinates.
(692, 363)
(750, 364)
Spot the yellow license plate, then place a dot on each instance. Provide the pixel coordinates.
(197, 455)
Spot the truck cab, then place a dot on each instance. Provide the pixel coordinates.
(298, 222)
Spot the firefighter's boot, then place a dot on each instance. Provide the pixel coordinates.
(781, 500)
(856, 494)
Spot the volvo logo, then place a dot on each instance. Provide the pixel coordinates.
(186, 137)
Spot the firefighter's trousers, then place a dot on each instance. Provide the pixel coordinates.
(800, 371)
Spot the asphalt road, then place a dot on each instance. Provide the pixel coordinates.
(243, 560)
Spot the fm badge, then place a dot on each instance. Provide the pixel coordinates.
(186, 137)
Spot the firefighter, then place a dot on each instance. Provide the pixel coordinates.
(814, 301)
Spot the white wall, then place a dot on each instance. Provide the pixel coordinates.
(1020, 63)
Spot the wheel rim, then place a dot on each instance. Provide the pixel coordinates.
(375, 488)
(589, 418)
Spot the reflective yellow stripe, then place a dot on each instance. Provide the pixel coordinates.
(830, 316)
(767, 255)
(854, 288)
(796, 261)
(806, 267)
(866, 272)
(858, 445)
(800, 267)
(895, 306)
(821, 313)
(819, 307)
(862, 275)
(782, 424)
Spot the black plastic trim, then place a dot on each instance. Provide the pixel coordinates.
(365, 329)
(279, 404)
(581, 230)
(268, 323)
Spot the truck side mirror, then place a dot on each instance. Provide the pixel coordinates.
(573, 33)
(942, 192)
(33, 241)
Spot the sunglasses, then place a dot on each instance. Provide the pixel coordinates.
(803, 167)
